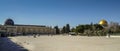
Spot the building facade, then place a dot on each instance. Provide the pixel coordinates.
(10, 28)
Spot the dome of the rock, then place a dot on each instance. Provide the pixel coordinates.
(103, 22)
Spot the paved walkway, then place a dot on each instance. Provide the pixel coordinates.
(7, 45)
(69, 43)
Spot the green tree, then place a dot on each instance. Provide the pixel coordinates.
(98, 27)
(67, 28)
(57, 30)
(79, 29)
(73, 30)
(63, 29)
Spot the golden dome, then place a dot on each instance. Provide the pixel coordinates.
(103, 23)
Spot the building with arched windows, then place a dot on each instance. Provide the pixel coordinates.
(13, 29)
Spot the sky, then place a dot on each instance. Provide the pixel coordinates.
(59, 12)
